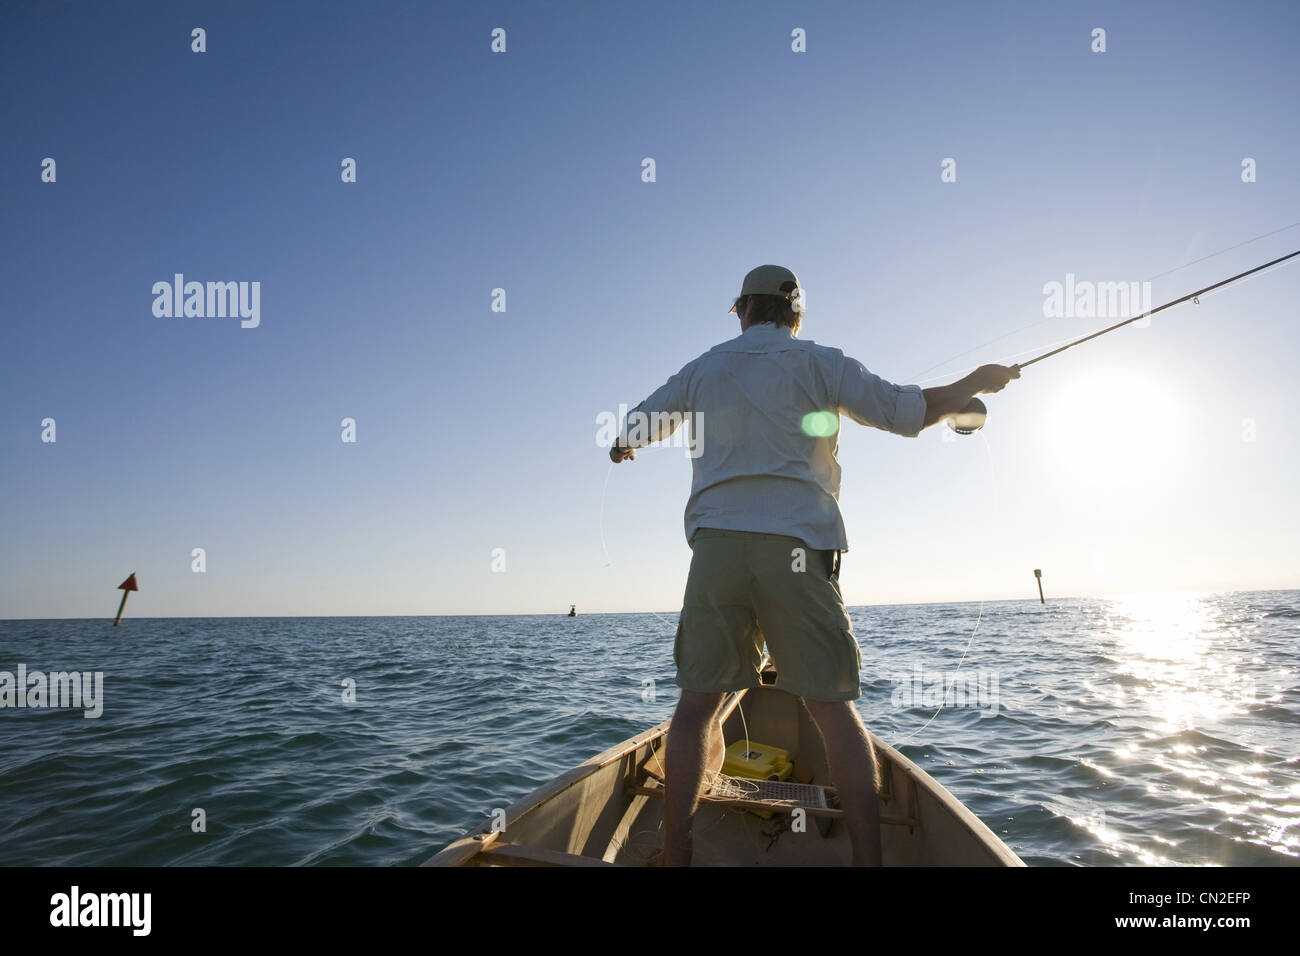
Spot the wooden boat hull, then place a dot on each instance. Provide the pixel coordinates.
(609, 809)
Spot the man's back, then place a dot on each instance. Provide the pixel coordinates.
(765, 408)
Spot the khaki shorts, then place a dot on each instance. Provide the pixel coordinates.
(744, 591)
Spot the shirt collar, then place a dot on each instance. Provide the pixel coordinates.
(764, 337)
(768, 330)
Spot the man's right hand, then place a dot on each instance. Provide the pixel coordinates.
(948, 400)
(617, 454)
(994, 378)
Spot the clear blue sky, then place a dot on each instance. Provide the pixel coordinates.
(1119, 466)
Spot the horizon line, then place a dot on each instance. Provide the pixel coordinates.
(236, 617)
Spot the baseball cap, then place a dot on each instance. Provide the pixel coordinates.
(767, 280)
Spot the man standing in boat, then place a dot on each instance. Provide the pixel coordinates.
(764, 525)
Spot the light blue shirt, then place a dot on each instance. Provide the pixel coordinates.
(756, 466)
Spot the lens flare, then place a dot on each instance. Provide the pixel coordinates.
(821, 424)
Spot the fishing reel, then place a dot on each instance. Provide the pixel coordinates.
(970, 419)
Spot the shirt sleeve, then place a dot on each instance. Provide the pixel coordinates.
(870, 400)
(658, 416)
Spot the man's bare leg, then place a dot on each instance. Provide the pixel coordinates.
(717, 749)
(853, 768)
(694, 743)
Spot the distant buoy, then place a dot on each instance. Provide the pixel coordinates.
(573, 610)
(1038, 573)
(126, 587)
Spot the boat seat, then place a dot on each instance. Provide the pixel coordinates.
(778, 795)
(772, 794)
(781, 796)
(513, 854)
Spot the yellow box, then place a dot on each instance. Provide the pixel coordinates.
(756, 761)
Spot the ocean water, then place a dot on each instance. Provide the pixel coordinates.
(1140, 730)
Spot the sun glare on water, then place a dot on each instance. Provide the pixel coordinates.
(1170, 655)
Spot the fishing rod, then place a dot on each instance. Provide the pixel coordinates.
(971, 418)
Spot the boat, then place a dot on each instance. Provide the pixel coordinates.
(608, 811)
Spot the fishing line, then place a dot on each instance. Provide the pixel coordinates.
(716, 776)
(1159, 275)
(1002, 361)
(978, 619)
(609, 561)
(711, 777)
(603, 492)
(971, 418)
(1248, 277)
(1194, 296)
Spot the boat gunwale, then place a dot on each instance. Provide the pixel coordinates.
(949, 801)
(468, 846)
(464, 849)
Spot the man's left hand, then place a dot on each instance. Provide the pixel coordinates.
(617, 454)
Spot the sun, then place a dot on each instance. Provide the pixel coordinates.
(1116, 428)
